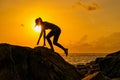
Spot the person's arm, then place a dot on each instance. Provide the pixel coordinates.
(44, 37)
(40, 37)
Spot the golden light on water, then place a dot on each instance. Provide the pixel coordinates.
(37, 28)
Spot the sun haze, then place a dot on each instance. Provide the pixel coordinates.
(37, 28)
(82, 30)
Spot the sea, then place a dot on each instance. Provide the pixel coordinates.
(82, 58)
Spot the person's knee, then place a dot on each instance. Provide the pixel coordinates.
(47, 38)
(55, 43)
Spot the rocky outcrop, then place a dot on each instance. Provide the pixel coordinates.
(108, 68)
(96, 76)
(110, 65)
(39, 63)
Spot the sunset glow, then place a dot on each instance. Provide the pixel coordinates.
(37, 28)
(86, 25)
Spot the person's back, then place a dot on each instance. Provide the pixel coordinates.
(51, 26)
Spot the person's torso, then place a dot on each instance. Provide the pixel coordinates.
(51, 26)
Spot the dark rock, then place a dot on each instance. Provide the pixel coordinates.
(114, 54)
(40, 63)
(89, 68)
(115, 79)
(100, 76)
(96, 76)
(82, 66)
(99, 59)
(110, 65)
(83, 69)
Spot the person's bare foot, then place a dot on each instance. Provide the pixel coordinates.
(66, 51)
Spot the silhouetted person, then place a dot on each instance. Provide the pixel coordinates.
(55, 31)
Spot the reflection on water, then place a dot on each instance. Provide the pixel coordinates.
(75, 58)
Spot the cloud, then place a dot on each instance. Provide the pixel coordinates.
(90, 7)
(111, 42)
(22, 25)
(84, 38)
(106, 44)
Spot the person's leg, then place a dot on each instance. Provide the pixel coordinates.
(55, 42)
(50, 34)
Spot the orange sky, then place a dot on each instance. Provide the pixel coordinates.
(87, 25)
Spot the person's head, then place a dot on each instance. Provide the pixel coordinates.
(38, 21)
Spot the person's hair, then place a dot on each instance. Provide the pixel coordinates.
(37, 20)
